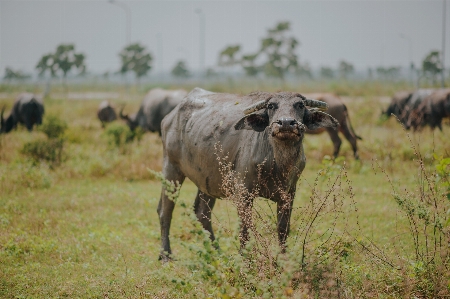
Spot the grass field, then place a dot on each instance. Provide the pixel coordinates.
(87, 227)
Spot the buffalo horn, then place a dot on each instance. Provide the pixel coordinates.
(255, 107)
(121, 114)
(316, 104)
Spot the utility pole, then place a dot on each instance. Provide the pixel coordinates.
(202, 40)
(128, 18)
(411, 65)
(160, 55)
(444, 14)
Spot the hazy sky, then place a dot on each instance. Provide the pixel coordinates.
(365, 33)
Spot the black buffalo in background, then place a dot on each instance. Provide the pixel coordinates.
(106, 113)
(28, 109)
(156, 104)
(431, 111)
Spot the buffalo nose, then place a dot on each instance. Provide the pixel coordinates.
(287, 123)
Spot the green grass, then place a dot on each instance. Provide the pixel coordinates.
(88, 228)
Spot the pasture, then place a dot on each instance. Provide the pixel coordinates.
(87, 227)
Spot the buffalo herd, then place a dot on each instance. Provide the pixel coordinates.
(261, 134)
(423, 107)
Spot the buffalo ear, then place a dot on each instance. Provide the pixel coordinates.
(254, 121)
(317, 119)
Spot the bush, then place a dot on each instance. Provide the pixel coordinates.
(120, 135)
(51, 149)
(48, 150)
(53, 127)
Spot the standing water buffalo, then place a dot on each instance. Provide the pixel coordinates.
(262, 136)
(157, 103)
(28, 109)
(106, 113)
(414, 101)
(431, 111)
(338, 110)
(398, 104)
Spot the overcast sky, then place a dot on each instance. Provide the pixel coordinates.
(365, 33)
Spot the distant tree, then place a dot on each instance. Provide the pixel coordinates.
(210, 72)
(46, 64)
(279, 51)
(10, 74)
(227, 57)
(248, 63)
(304, 70)
(432, 65)
(62, 61)
(65, 59)
(389, 73)
(326, 72)
(345, 69)
(137, 59)
(276, 56)
(180, 70)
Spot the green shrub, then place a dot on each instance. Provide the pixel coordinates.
(47, 150)
(51, 149)
(120, 135)
(53, 127)
(443, 174)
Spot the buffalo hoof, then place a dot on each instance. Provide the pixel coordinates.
(165, 257)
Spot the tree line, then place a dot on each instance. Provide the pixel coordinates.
(276, 58)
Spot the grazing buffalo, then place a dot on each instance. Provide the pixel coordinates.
(28, 110)
(413, 102)
(402, 104)
(106, 113)
(261, 134)
(431, 111)
(338, 110)
(156, 105)
(398, 104)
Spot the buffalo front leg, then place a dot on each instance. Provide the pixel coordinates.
(203, 206)
(29, 125)
(284, 211)
(165, 208)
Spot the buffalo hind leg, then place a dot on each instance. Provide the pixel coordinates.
(165, 209)
(336, 141)
(284, 210)
(351, 138)
(203, 206)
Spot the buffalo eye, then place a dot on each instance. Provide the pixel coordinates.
(271, 106)
(300, 105)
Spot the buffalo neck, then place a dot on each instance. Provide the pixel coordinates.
(284, 160)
